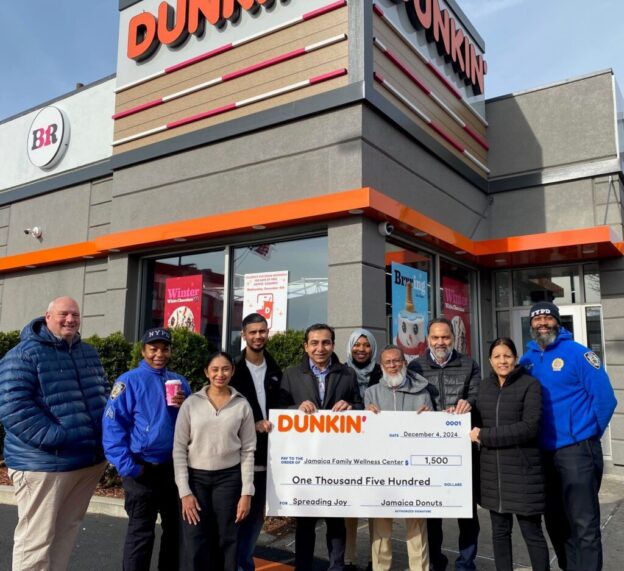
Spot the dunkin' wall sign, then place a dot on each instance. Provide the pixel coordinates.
(159, 34)
(450, 39)
(48, 138)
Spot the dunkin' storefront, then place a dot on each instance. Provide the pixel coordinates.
(317, 160)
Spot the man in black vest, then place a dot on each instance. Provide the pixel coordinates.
(453, 384)
(257, 376)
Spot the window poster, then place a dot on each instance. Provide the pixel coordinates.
(410, 309)
(266, 293)
(183, 302)
(456, 308)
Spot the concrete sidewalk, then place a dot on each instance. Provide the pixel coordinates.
(100, 541)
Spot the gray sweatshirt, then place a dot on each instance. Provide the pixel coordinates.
(410, 396)
(210, 439)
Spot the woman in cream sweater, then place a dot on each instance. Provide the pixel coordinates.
(213, 455)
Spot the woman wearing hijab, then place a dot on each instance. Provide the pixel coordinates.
(362, 358)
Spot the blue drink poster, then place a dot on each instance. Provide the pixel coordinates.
(410, 309)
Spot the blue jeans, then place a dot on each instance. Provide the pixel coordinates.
(250, 528)
(573, 478)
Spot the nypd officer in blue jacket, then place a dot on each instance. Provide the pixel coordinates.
(138, 440)
(578, 403)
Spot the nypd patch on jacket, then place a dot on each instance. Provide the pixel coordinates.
(138, 425)
(577, 395)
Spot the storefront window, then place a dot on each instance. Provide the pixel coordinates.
(188, 292)
(559, 285)
(592, 283)
(285, 281)
(456, 303)
(409, 299)
(502, 289)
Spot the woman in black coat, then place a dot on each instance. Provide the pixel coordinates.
(509, 412)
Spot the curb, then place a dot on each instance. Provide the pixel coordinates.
(98, 505)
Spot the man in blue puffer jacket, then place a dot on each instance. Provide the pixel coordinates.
(52, 396)
(138, 440)
(578, 402)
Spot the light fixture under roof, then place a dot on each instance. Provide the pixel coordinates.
(356, 211)
(419, 233)
(179, 239)
(114, 250)
(31, 267)
(88, 257)
(460, 252)
(500, 261)
(259, 227)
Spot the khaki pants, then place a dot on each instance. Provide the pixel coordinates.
(351, 524)
(50, 508)
(417, 550)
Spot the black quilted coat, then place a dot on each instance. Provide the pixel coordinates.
(512, 475)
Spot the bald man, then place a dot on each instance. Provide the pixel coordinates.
(52, 396)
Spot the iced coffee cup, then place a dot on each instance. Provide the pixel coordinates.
(171, 388)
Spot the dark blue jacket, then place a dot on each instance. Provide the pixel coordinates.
(138, 424)
(52, 396)
(577, 396)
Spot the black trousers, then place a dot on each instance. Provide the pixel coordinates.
(531, 528)
(153, 493)
(211, 544)
(305, 539)
(573, 478)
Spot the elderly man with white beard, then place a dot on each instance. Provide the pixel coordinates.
(405, 391)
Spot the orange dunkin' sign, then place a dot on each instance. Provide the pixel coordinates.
(172, 26)
(450, 40)
(338, 423)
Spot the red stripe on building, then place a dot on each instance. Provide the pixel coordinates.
(451, 140)
(264, 64)
(197, 59)
(324, 10)
(200, 116)
(138, 108)
(328, 76)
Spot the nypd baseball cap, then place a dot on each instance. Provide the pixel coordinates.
(545, 308)
(156, 334)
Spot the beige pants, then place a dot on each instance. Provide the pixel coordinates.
(50, 508)
(351, 524)
(417, 550)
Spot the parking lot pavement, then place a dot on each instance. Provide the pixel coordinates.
(100, 541)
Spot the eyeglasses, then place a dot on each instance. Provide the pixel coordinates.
(392, 362)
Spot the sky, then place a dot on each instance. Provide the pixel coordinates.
(47, 46)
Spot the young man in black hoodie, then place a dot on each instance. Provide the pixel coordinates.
(257, 376)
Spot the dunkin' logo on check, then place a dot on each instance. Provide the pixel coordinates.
(336, 423)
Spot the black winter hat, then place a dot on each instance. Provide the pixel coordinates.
(545, 308)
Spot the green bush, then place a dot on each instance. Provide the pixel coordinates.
(286, 348)
(115, 353)
(189, 355)
(8, 340)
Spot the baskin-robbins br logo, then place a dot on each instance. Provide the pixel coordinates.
(48, 138)
(324, 423)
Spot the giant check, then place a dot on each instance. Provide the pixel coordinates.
(361, 464)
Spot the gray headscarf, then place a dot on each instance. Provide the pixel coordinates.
(363, 373)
